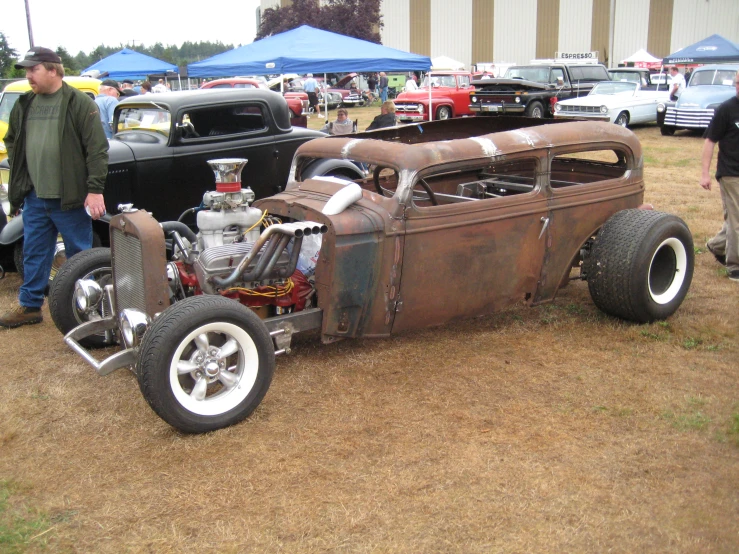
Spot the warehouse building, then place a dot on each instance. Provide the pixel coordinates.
(476, 31)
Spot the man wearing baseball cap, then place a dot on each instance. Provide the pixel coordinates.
(58, 157)
(107, 100)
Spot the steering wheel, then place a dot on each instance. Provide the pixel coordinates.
(423, 183)
(188, 130)
(427, 188)
(376, 180)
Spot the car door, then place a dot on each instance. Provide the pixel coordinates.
(480, 249)
(462, 95)
(236, 130)
(588, 183)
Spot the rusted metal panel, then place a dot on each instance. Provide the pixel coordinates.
(404, 259)
(137, 247)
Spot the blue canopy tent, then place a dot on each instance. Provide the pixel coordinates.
(129, 64)
(308, 50)
(714, 49)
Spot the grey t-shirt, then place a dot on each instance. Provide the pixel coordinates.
(43, 153)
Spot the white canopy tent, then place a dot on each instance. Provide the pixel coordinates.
(642, 58)
(445, 62)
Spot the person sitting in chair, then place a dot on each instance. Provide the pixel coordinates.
(342, 126)
(386, 117)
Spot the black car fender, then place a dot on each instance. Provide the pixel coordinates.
(12, 232)
(343, 168)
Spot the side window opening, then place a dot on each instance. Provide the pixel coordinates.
(226, 120)
(581, 168)
(491, 181)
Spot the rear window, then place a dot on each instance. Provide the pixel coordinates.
(592, 166)
(722, 77)
(589, 73)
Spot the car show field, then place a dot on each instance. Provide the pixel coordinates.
(555, 428)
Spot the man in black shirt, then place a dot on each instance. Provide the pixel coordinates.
(724, 130)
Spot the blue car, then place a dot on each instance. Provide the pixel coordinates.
(709, 86)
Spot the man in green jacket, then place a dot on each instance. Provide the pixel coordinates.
(58, 158)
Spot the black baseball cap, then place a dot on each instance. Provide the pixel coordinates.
(38, 55)
(112, 83)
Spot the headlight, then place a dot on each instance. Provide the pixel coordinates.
(518, 99)
(3, 150)
(474, 99)
(660, 107)
(557, 107)
(87, 294)
(603, 109)
(420, 108)
(133, 326)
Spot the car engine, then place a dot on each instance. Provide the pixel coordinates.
(230, 256)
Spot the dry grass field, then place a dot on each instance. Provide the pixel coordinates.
(549, 429)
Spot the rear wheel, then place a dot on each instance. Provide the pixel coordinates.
(641, 265)
(205, 363)
(622, 119)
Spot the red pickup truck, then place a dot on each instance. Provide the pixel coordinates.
(450, 95)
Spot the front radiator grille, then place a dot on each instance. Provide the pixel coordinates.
(684, 117)
(128, 271)
(579, 109)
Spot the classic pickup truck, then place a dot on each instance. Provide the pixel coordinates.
(532, 90)
(459, 218)
(449, 98)
(646, 79)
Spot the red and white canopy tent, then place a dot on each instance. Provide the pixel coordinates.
(644, 59)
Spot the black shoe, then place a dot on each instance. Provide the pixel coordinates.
(720, 258)
(734, 275)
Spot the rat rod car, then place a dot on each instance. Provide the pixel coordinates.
(443, 229)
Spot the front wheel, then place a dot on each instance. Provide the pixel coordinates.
(641, 265)
(535, 110)
(205, 363)
(444, 112)
(67, 313)
(667, 131)
(622, 119)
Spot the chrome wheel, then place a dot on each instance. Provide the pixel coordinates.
(214, 369)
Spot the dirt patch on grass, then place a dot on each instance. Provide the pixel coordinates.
(552, 429)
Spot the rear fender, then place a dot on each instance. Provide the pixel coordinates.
(13, 231)
(326, 166)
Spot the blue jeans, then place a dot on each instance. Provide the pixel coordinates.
(43, 220)
(383, 94)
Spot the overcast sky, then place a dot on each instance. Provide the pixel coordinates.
(78, 25)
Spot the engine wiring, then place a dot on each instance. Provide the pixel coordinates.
(266, 291)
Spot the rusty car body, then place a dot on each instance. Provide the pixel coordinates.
(442, 229)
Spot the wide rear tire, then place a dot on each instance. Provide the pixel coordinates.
(641, 265)
(205, 363)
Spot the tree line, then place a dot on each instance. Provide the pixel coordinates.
(355, 18)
